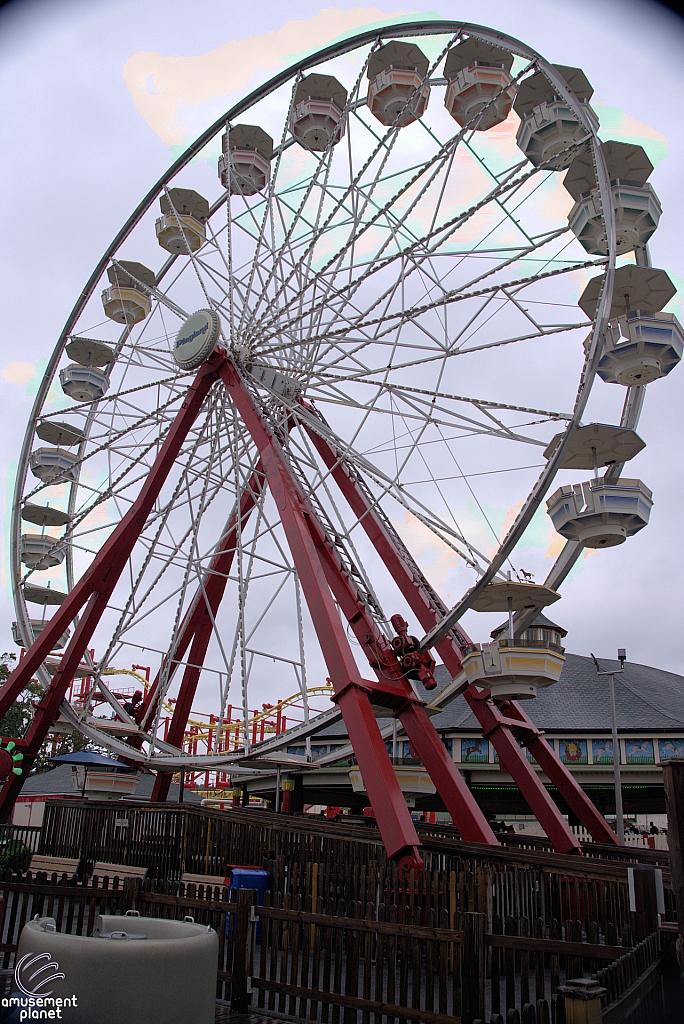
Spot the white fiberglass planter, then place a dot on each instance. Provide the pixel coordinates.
(137, 970)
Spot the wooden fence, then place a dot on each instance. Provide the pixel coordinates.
(339, 961)
(17, 843)
(170, 839)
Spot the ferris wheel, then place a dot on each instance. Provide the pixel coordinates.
(337, 333)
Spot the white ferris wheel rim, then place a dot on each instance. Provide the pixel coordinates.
(411, 29)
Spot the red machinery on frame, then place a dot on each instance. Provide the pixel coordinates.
(326, 587)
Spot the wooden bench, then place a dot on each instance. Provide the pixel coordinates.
(54, 865)
(205, 880)
(102, 869)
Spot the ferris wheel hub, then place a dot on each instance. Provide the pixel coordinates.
(197, 339)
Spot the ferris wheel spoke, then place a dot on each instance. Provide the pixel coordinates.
(338, 202)
(456, 295)
(363, 323)
(438, 237)
(130, 602)
(418, 413)
(385, 143)
(340, 533)
(392, 486)
(483, 403)
(347, 279)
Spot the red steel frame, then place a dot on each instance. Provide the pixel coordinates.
(198, 626)
(324, 582)
(93, 592)
(502, 729)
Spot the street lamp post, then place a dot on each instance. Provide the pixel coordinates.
(619, 816)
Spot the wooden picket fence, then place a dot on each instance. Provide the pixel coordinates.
(170, 839)
(618, 977)
(343, 936)
(347, 962)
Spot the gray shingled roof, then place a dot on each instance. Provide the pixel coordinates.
(646, 698)
(540, 620)
(57, 782)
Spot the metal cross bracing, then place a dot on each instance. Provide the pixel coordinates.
(502, 728)
(91, 594)
(325, 579)
(358, 282)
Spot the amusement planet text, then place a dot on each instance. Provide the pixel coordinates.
(40, 1007)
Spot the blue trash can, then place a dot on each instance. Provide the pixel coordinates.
(248, 878)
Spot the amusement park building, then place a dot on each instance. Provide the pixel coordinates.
(575, 716)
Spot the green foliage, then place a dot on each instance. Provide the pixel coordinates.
(20, 714)
(17, 719)
(69, 745)
(15, 855)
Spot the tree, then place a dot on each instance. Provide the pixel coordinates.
(17, 720)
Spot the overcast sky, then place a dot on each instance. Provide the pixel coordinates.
(100, 95)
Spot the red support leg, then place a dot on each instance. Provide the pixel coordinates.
(449, 782)
(214, 583)
(564, 781)
(351, 692)
(198, 623)
(162, 784)
(94, 589)
(429, 609)
(459, 801)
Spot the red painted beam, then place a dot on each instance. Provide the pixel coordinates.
(197, 626)
(563, 779)
(422, 599)
(181, 712)
(450, 784)
(459, 801)
(213, 586)
(198, 623)
(351, 692)
(429, 609)
(95, 587)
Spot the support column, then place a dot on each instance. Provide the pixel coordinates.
(199, 623)
(351, 692)
(429, 610)
(213, 583)
(450, 784)
(94, 590)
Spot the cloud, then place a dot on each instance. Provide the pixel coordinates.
(19, 373)
(168, 90)
(616, 124)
